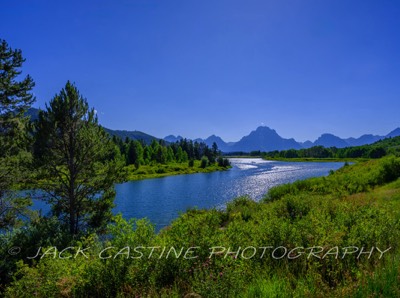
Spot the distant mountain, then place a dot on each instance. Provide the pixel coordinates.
(330, 140)
(172, 138)
(363, 140)
(133, 135)
(33, 113)
(224, 147)
(394, 133)
(264, 139)
(307, 144)
(198, 140)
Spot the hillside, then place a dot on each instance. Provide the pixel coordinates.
(133, 135)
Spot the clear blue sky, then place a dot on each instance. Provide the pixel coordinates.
(197, 68)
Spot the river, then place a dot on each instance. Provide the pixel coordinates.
(162, 199)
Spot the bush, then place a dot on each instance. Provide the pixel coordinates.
(226, 162)
(223, 162)
(204, 162)
(191, 163)
(390, 170)
(42, 232)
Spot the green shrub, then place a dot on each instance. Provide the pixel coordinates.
(191, 163)
(390, 170)
(204, 162)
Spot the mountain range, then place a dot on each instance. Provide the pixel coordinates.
(267, 139)
(263, 139)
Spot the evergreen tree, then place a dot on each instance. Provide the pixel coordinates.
(15, 99)
(179, 154)
(138, 154)
(170, 155)
(185, 157)
(73, 153)
(191, 163)
(161, 156)
(154, 150)
(135, 153)
(214, 148)
(147, 154)
(220, 161)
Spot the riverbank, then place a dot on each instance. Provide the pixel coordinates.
(312, 159)
(169, 169)
(131, 173)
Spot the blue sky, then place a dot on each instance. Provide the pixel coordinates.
(197, 68)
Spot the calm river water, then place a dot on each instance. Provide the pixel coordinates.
(161, 200)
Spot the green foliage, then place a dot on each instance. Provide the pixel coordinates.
(135, 153)
(204, 162)
(390, 170)
(191, 163)
(348, 180)
(242, 207)
(156, 170)
(15, 99)
(384, 282)
(274, 288)
(223, 162)
(14, 205)
(158, 152)
(40, 232)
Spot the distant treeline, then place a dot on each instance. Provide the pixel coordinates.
(376, 150)
(138, 153)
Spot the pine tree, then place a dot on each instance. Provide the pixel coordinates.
(135, 153)
(15, 99)
(75, 158)
(179, 154)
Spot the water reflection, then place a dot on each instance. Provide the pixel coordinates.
(162, 199)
